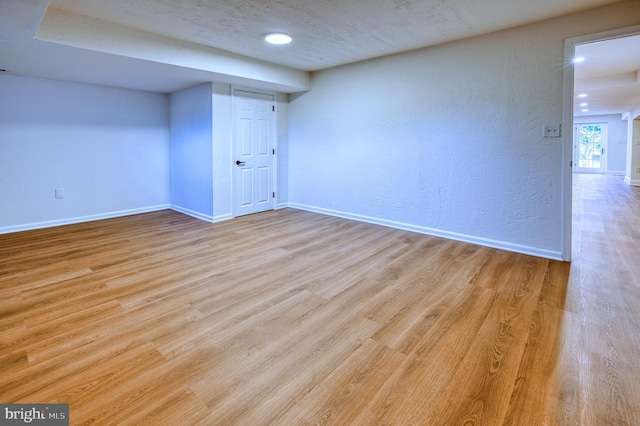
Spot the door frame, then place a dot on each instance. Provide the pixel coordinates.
(567, 123)
(604, 146)
(274, 139)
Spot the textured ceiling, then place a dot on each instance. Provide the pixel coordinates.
(326, 32)
(168, 45)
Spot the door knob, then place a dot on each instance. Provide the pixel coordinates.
(240, 163)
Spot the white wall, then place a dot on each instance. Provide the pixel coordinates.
(632, 176)
(222, 161)
(282, 146)
(201, 152)
(446, 140)
(616, 157)
(191, 155)
(107, 148)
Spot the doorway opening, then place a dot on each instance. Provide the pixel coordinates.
(590, 156)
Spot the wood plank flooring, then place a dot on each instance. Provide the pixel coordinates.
(294, 318)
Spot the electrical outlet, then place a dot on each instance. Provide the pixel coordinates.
(59, 193)
(637, 169)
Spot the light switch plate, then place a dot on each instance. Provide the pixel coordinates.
(552, 130)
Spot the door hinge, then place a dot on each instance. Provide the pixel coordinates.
(274, 194)
(273, 151)
(273, 108)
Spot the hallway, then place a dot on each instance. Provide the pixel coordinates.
(601, 327)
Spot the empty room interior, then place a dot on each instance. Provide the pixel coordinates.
(295, 212)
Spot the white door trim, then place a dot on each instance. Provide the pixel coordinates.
(274, 138)
(567, 123)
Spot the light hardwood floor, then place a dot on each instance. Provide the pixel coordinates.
(290, 317)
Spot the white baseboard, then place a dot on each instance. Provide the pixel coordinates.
(501, 245)
(191, 213)
(222, 217)
(199, 215)
(80, 219)
(632, 182)
(622, 173)
(517, 248)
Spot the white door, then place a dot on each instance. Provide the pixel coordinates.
(589, 147)
(253, 152)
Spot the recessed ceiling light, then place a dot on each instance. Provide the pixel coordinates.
(578, 59)
(582, 95)
(584, 104)
(278, 38)
(585, 110)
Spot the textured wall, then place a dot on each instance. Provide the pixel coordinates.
(447, 140)
(108, 148)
